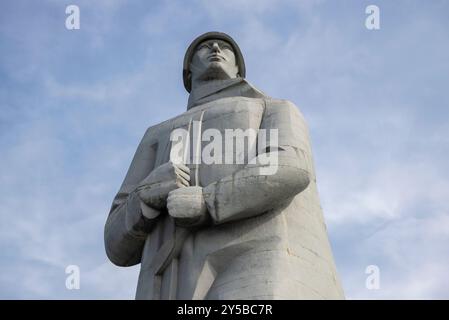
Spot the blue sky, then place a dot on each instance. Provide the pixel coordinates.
(74, 105)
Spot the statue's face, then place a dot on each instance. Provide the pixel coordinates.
(214, 59)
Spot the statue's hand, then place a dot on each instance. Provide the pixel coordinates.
(154, 189)
(187, 206)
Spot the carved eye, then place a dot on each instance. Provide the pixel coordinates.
(202, 46)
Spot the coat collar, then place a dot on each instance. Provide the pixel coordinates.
(237, 87)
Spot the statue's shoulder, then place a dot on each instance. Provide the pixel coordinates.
(283, 107)
(155, 131)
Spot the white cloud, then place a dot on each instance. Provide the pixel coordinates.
(412, 258)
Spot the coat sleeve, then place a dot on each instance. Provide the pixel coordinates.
(126, 228)
(252, 191)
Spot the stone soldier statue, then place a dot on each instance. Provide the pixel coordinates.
(223, 230)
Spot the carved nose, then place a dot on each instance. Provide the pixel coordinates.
(215, 47)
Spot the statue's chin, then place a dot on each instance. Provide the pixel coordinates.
(216, 65)
(216, 71)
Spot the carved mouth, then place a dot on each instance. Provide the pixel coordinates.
(216, 57)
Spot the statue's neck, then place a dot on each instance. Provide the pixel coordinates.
(200, 85)
(210, 88)
(236, 87)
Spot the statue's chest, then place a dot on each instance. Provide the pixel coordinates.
(231, 113)
(222, 137)
(229, 137)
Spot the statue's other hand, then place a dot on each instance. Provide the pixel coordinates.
(154, 189)
(187, 206)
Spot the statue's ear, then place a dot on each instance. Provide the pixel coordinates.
(189, 80)
(189, 77)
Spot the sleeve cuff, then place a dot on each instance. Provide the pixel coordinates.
(139, 217)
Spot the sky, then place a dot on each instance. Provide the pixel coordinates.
(74, 105)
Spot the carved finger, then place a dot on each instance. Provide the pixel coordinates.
(183, 174)
(184, 168)
(184, 182)
(180, 183)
